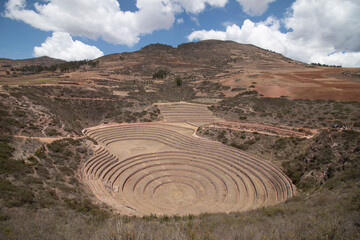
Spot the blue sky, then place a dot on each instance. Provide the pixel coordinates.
(325, 31)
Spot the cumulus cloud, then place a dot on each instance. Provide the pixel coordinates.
(325, 31)
(333, 22)
(350, 59)
(196, 6)
(104, 18)
(255, 7)
(61, 45)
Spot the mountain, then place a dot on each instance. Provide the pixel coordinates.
(232, 65)
(208, 57)
(43, 61)
(239, 66)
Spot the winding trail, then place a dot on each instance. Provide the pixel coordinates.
(165, 168)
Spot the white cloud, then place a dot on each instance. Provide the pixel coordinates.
(350, 59)
(180, 21)
(227, 23)
(196, 6)
(60, 45)
(325, 31)
(332, 22)
(255, 7)
(195, 20)
(104, 18)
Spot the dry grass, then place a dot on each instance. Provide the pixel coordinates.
(324, 215)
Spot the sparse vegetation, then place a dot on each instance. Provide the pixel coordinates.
(296, 113)
(160, 74)
(42, 197)
(63, 67)
(309, 163)
(325, 65)
(178, 81)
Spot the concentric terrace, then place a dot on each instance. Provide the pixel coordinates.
(165, 168)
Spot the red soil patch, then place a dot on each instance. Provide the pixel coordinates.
(315, 84)
(273, 91)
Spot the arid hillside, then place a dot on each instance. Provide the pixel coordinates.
(208, 140)
(43, 61)
(230, 68)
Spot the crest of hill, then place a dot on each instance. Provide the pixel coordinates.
(213, 49)
(43, 61)
(207, 53)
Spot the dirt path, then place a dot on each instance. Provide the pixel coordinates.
(84, 98)
(266, 129)
(45, 139)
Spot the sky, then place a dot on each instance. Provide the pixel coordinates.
(310, 31)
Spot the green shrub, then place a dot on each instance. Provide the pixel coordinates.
(86, 206)
(354, 202)
(13, 195)
(150, 217)
(250, 142)
(52, 132)
(6, 150)
(14, 166)
(324, 155)
(178, 81)
(59, 146)
(40, 152)
(272, 211)
(294, 170)
(160, 74)
(243, 147)
(19, 113)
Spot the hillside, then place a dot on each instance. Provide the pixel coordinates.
(207, 140)
(43, 61)
(236, 67)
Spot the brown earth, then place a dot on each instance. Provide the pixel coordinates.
(227, 66)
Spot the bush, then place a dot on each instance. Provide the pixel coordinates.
(178, 81)
(160, 74)
(243, 147)
(59, 146)
(14, 166)
(273, 211)
(354, 202)
(40, 152)
(6, 150)
(52, 132)
(87, 207)
(13, 195)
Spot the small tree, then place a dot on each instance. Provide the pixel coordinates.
(178, 81)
